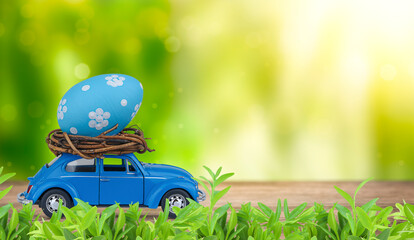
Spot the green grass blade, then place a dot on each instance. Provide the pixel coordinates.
(110, 210)
(213, 224)
(265, 209)
(218, 171)
(222, 210)
(4, 210)
(98, 238)
(68, 235)
(278, 209)
(351, 222)
(326, 231)
(83, 205)
(14, 221)
(346, 196)
(18, 232)
(223, 178)
(364, 219)
(409, 212)
(345, 232)
(232, 222)
(233, 235)
(286, 209)
(51, 230)
(219, 195)
(210, 172)
(121, 236)
(204, 186)
(383, 215)
(120, 222)
(384, 235)
(5, 191)
(6, 176)
(367, 206)
(298, 210)
(209, 182)
(56, 216)
(89, 217)
(332, 221)
(360, 186)
(167, 207)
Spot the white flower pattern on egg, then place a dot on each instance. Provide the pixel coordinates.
(86, 88)
(73, 130)
(62, 109)
(99, 119)
(114, 80)
(136, 110)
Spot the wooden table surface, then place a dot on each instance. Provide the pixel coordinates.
(296, 193)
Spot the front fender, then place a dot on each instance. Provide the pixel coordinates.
(37, 191)
(157, 189)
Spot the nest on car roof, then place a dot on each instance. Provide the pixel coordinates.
(129, 140)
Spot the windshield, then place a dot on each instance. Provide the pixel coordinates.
(53, 161)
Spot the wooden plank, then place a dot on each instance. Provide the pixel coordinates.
(296, 193)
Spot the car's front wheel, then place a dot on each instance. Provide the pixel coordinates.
(50, 201)
(177, 198)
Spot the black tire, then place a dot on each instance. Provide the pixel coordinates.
(177, 197)
(51, 197)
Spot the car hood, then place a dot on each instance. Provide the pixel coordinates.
(163, 170)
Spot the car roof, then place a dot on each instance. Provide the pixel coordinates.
(70, 157)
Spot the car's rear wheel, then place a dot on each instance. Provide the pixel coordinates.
(50, 201)
(177, 198)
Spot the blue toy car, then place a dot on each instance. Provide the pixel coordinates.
(113, 179)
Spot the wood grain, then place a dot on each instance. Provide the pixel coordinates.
(296, 193)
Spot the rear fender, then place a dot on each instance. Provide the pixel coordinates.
(37, 191)
(153, 196)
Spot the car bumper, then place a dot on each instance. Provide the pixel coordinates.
(22, 199)
(201, 195)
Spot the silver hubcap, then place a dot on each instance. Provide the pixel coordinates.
(52, 202)
(177, 200)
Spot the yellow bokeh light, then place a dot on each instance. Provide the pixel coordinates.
(27, 37)
(388, 72)
(9, 112)
(82, 71)
(172, 44)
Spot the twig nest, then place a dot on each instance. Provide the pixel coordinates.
(97, 104)
(129, 140)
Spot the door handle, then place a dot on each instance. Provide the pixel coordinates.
(104, 180)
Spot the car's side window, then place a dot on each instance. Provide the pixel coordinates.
(131, 167)
(81, 165)
(114, 165)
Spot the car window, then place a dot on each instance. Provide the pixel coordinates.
(53, 161)
(81, 165)
(114, 165)
(131, 167)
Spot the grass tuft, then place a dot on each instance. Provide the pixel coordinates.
(195, 221)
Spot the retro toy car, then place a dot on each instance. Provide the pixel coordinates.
(113, 179)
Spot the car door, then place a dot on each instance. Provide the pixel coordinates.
(84, 176)
(120, 181)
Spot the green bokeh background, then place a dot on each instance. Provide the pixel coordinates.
(270, 90)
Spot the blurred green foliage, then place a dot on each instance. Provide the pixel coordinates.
(274, 91)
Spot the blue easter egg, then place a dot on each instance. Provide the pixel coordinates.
(97, 104)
